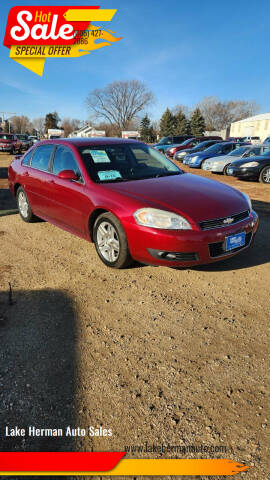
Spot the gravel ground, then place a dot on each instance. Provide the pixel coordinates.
(163, 356)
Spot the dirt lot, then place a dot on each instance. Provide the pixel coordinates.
(163, 356)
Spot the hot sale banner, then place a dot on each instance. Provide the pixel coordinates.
(36, 33)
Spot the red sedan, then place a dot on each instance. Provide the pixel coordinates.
(132, 202)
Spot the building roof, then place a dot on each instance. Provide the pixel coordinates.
(261, 116)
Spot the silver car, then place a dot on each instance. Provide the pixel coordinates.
(222, 163)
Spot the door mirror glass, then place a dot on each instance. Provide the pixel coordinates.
(67, 175)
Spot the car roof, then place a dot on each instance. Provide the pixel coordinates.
(78, 141)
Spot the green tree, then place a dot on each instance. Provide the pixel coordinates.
(181, 124)
(167, 123)
(51, 120)
(145, 128)
(197, 123)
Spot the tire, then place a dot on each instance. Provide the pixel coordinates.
(24, 208)
(111, 241)
(225, 170)
(202, 163)
(265, 175)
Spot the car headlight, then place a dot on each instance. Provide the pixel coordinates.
(152, 217)
(250, 164)
(193, 159)
(247, 199)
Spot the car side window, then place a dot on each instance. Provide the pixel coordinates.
(64, 160)
(41, 157)
(27, 157)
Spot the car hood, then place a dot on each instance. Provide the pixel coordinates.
(257, 158)
(4, 140)
(197, 198)
(221, 158)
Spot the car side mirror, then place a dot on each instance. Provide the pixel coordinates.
(67, 175)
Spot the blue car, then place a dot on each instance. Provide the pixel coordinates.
(196, 160)
(167, 142)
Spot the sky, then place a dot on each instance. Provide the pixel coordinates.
(183, 52)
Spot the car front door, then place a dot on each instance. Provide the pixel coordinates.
(71, 205)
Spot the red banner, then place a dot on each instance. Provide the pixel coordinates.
(42, 25)
(59, 461)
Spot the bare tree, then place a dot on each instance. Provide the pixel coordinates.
(20, 124)
(119, 102)
(69, 125)
(219, 115)
(187, 111)
(39, 125)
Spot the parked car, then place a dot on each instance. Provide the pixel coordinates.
(180, 155)
(236, 139)
(190, 143)
(132, 202)
(253, 140)
(34, 139)
(196, 160)
(166, 142)
(25, 139)
(221, 164)
(255, 168)
(10, 143)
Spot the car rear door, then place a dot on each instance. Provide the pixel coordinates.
(36, 180)
(71, 204)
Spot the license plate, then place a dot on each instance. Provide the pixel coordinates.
(235, 241)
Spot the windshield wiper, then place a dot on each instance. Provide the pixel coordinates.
(167, 174)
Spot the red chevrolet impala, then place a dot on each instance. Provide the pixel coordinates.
(132, 202)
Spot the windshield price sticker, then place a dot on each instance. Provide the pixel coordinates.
(109, 175)
(99, 156)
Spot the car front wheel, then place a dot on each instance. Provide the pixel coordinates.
(225, 171)
(24, 207)
(265, 175)
(111, 242)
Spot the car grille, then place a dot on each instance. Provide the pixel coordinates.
(217, 249)
(221, 222)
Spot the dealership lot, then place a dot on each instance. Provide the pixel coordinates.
(180, 356)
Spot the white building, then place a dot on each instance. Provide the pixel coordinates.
(257, 126)
(88, 131)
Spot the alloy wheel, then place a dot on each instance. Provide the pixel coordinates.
(23, 204)
(108, 241)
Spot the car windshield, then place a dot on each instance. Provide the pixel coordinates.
(3, 136)
(214, 148)
(238, 152)
(22, 137)
(267, 153)
(117, 163)
(186, 142)
(201, 146)
(165, 141)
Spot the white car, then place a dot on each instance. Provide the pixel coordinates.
(222, 163)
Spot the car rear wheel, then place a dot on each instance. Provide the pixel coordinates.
(225, 170)
(265, 175)
(24, 208)
(111, 242)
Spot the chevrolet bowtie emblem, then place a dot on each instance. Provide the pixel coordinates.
(228, 221)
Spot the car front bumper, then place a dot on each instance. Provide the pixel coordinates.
(187, 247)
(213, 167)
(6, 148)
(244, 172)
